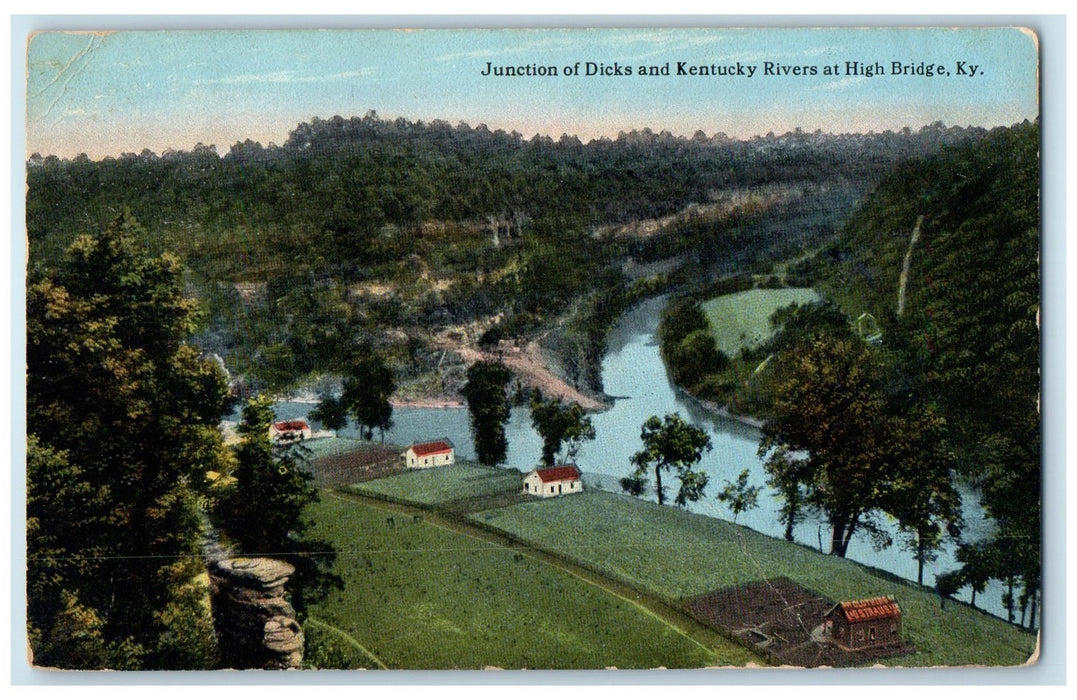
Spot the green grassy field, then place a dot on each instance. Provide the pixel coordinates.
(418, 596)
(743, 319)
(330, 446)
(443, 484)
(677, 555)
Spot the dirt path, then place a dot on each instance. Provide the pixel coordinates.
(350, 640)
(908, 262)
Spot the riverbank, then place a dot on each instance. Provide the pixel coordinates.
(633, 372)
(431, 402)
(723, 412)
(534, 371)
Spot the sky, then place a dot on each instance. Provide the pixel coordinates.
(107, 93)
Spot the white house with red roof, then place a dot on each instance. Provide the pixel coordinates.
(430, 454)
(289, 430)
(553, 481)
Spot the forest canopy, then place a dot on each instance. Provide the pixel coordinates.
(354, 225)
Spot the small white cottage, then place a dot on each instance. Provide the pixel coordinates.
(289, 430)
(553, 481)
(430, 454)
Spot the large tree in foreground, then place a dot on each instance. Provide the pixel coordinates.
(488, 405)
(670, 444)
(122, 417)
(829, 406)
(840, 443)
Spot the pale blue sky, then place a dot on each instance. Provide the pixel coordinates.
(104, 94)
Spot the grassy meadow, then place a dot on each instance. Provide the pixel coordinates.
(678, 555)
(742, 320)
(419, 596)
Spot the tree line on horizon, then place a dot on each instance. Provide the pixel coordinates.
(347, 176)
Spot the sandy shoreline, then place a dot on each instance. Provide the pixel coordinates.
(427, 403)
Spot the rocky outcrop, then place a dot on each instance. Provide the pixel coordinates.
(256, 625)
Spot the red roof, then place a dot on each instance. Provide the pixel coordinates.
(432, 448)
(566, 472)
(288, 425)
(879, 608)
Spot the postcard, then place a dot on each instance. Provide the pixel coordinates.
(548, 348)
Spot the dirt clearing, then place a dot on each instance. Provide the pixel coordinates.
(364, 463)
(782, 620)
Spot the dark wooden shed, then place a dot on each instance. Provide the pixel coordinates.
(862, 624)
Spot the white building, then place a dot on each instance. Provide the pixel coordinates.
(553, 481)
(430, 454)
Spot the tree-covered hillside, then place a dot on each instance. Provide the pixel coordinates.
(344, 179)
(355, 226)
(929, 318)
(958, 305)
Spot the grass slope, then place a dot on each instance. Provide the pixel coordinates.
(743, 319)
(417, 596)
(443, 484)
(677, 555)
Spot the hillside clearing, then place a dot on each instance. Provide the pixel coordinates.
(742, 320)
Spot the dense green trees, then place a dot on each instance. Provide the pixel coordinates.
(488, 405)
(368, 384)
(968, 339)
(294, 246)
(262, 513)
(511, 225)
(122, 420)
(367, 387)
(686, 344)
(559, 425)
(863, 452)
(330, 412)
(976, 329)
(670, 443)
(796, 323)
(828, 405)
(922, 496)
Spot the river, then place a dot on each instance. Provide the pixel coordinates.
(633, 371)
